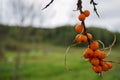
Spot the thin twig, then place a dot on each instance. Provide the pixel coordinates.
(48, 4)
(66, 53)
(109, 52)
(113, 62)
(112, 43)
(79, 5)
(109, 47)
(102, 44)
(94, 6)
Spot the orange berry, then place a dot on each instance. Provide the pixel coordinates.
(79, 28)
(105, 67)
(97, 69)
(89, 36)
(81, 17)
(88, 53)
(81, 38)
(86, 13)
(77, 37)
(99, 54)
(109, 65)
(94, 45)
(102, 55)
(95, 61)
(101, 62)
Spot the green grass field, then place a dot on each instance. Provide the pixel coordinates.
(47, 63)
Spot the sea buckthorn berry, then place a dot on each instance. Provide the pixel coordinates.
(88, 53)
(94, 45)
(102, 55)
(81, 38)
(81, 17)
(95, 61)
(109, 65)
(97, 69)
(97, 54)
(89, 36)
(101, 62)
(86, 13)
(105, 67)
(77, 37)
(79, 28)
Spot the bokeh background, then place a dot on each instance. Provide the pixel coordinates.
(33, 41)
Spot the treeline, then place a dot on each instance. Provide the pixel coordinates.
(62, 36)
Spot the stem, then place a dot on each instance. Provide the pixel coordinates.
(79, 7)
(113, 62)
(94, 6)
(66, 53)
(85, 30)
(48, 4)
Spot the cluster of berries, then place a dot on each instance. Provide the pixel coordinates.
(80, 29)
(96, 58)
(93, 52)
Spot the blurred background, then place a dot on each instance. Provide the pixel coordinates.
(33, 41)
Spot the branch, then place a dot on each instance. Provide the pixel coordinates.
(94, 5)
(113, 62)
(79, 5)
(48, 4)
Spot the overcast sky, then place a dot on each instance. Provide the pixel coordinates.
(60, 12)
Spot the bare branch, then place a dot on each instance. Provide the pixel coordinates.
(113, 62)
(48, 4)
(79, 5)
(94, 5)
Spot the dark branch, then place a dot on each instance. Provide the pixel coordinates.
(94, 5)
(48, 4)
(79, 6)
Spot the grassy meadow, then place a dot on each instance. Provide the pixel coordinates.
(47, 63)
